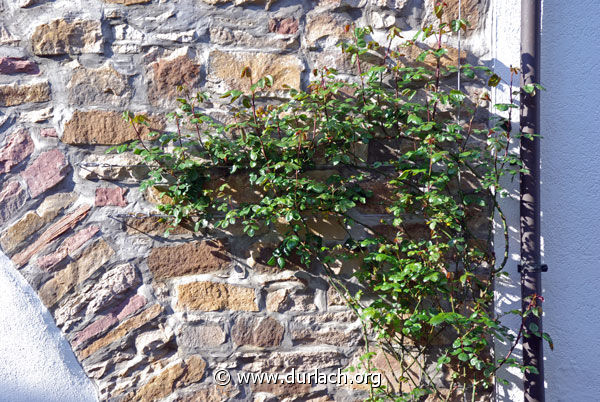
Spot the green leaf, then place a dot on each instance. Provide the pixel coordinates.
(494, 80)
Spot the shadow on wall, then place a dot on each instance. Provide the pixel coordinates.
(36, 362)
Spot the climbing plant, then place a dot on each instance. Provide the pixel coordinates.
(426, 269)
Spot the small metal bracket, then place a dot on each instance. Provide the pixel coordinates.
(532, 268)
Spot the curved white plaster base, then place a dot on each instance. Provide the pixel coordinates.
(36, 362)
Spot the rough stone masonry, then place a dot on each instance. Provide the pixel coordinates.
(152, 318)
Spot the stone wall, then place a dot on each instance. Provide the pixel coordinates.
(151, 317)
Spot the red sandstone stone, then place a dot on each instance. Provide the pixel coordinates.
(49, 132)
(70, 245)
(18, 147)
(13, 65)
(285, 26)
(46, 172)
(131, 305)
(114, 196)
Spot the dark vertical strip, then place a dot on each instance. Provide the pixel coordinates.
(531, 283)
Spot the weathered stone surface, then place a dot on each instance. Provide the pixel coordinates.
(123, 329)
(178, 375)
(471, 10)
(285, 26)
(411, 53)
(100, 128)
(97, 296)
(48, 132)
(102, 86)
(33, 221)
(188, 258)
(276, 300)
(57, 229)
(228, 67)
(211, 296)
(18, 147)
(157, 195)
(225, 36)
(322, 25)
(54, 204)
(61, 37)
(46, 172)
(328, 336)
(341, 317)
(257, 331)
(15, 65)
(133, 304)
(20, 231)
(124, 167)
(302, 360)
(38, 116)
(76, 272)
(13, 95)
(110, 196)
(201, 336)
(152, 226)
(128, 2)
(7, 38)
(216, 393)
(283, 390)
(68, 247)
(12, 197)
(171, 73)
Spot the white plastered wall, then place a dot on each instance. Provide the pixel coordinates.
(36, 362)
(570, 197)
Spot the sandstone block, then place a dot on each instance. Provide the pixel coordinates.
(68, 247)
(178, 375)
(171, 73)
(257, 331)
(152, 226)
(48, 133)
(225, 36)
(99, 295)
(14, 94)
(302, 360)
(100, 128)
(128, 2)
(211, 296)
(129, 306)
(201, 336)
(227, 67)
(46, 171)
(471, 10)
(123, 329)
(60, 37)
(75, 273)
(12, 197)
(285, 26)
(18, 147)
(54, 231)
(323, 25)
(101, 86)
(124, 167)
(188, 258)
(110, 196)
(14, 65)
(34, 220)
